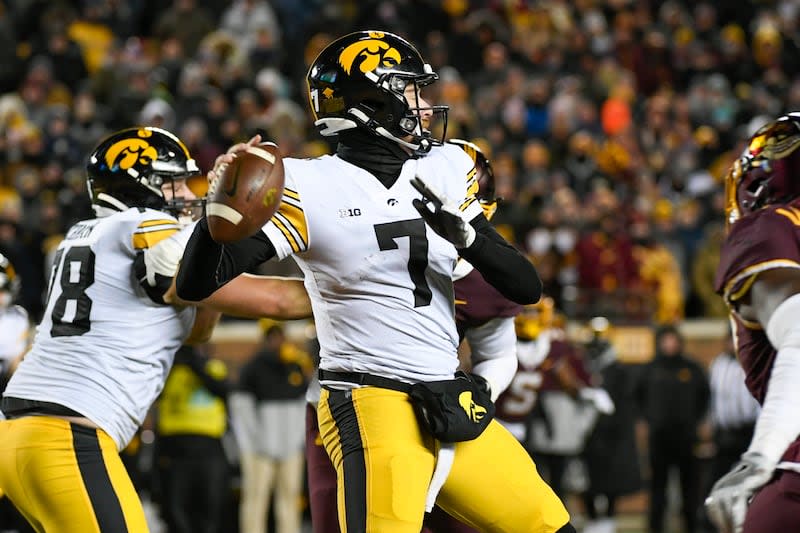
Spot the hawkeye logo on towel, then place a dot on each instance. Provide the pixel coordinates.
(474, 411)
(126, 153)
(369, 54)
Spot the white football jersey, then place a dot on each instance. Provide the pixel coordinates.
(104, 348)
(379, 279)
(14, 328)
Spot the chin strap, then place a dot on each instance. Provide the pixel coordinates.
(422, 147)
(107, 205)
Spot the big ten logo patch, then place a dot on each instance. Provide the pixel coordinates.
(345, 213)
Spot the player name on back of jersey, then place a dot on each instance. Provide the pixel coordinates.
(81, 230)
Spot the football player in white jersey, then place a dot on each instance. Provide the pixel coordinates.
(484, 318)
(14, 323)
(378, 262)
(107, 339)
(104, 345)
(14, 340)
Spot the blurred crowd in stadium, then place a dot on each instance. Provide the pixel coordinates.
(609, 123)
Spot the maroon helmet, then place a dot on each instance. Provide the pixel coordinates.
(767, 172)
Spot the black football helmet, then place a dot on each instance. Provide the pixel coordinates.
(129, 168)
(483, 174)
(768, 171)
(359, 80)
(9, 282)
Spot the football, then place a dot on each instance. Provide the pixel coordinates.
(245, 194)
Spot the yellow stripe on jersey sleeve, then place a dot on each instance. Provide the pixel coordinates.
(791, 213)
(287, 233)
(472, 183)
(470, 151)
(468, 202)
(291, 220)
(151, 232)
(749, 275)
(291, 194)
(153, 223)
(151, 238)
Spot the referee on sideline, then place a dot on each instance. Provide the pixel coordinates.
(733, 415)
(733, 410)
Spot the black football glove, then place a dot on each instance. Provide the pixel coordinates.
(442, 215)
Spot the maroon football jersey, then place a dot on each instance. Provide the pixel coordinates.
(766, 239)
(477, 303)
(562, 352)
(518, 400)
(769, 238)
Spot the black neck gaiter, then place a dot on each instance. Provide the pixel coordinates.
(380, 157)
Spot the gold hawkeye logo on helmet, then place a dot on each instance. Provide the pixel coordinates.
(128, 152)
(368, 55)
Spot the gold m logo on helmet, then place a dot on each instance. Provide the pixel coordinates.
(474, 411)
(368, 55)
(128, 152)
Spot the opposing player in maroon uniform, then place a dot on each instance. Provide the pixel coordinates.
(484, 318)
(534, 330)
(759, 277)
(550, 405)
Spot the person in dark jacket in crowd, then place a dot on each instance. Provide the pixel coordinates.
(191, 418)
(674, 394)
(610, 453)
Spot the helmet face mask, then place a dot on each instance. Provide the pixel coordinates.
(134, 167)
(364, 79)
(181, 200)
(768, 170)
(484, 175)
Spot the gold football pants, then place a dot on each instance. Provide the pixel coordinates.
(384, 462)
(67, 478)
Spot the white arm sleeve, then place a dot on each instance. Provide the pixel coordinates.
(778, 424)
(494, 353)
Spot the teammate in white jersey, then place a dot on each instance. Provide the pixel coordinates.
(378, 265)
(14, 341)
(104, 346)
(14, 323)
(107, 340)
